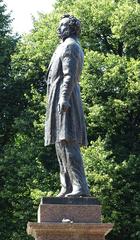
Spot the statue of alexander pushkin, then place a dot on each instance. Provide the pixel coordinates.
(65, 124)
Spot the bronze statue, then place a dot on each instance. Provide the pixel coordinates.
(65, 124)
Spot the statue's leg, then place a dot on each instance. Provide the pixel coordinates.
(75, 169)
(64, 176)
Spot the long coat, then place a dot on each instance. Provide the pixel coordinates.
(63, 83)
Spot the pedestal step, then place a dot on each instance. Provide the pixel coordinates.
(77, 210)
(74, 231)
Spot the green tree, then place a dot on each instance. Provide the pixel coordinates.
(7, 45)
(113, 114)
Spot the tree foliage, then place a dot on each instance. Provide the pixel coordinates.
(7, 45)
(110, 86)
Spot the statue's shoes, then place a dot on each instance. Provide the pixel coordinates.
(77, 194)
(62, 193)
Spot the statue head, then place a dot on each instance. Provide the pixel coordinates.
(69, 26)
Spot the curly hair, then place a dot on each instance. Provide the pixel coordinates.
(74, 24)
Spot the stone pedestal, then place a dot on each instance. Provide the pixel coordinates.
(69, 219)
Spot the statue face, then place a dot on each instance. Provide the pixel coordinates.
(64, 29)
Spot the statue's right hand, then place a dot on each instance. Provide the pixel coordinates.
(63, 106)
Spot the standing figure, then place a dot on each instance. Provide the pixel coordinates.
(65, 124)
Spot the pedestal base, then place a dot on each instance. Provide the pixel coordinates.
(68, 231)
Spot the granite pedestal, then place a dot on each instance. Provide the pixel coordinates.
(69, 219)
